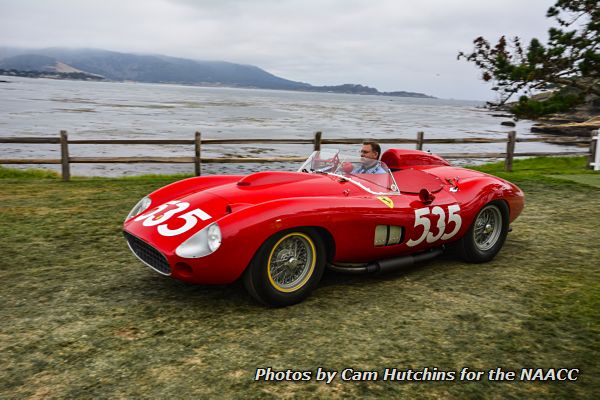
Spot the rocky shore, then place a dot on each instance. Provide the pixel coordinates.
(567, 127)
(578, 123)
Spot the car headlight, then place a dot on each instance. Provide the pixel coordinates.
(202, 243)
(139, 208)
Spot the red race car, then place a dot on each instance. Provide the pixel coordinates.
(279, 230)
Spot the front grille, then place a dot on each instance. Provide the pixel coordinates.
(148, 254)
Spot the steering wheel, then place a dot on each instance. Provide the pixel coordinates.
(325, 165)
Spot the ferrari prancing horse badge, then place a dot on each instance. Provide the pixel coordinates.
(386, 200)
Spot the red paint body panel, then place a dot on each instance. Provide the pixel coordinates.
(397, 159)
(250, 209)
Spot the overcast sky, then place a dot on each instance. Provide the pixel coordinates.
(387, 44)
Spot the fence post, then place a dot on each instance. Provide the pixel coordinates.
(420, 135)
(317, 141)
(64, 156)
(594, 158)
(510, 151)
(198, 153)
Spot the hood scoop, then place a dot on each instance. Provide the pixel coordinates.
(271, 178)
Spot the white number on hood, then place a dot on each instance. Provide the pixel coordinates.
(191, 218)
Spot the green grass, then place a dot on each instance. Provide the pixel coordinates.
(588, 179)
(538, 167)
(82, 318)
(38, 173)
(31, 173)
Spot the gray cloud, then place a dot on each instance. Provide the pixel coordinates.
(391, 45)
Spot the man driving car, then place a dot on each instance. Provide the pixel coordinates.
(369, 157)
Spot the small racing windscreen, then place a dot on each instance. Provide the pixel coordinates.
(369, 174)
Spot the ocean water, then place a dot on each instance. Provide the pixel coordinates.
(109, 110)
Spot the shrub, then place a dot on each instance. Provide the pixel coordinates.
(530, 108)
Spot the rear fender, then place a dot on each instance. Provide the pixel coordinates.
(474, 193)
(471, 182)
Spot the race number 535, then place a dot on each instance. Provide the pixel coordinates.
(157, 217)
(422, 218)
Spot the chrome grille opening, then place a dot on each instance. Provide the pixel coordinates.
(148, 254)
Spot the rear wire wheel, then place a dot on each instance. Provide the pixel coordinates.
(486, 235)
(286, 268)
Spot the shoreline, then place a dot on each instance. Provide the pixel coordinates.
(352, 89)
(579, 122)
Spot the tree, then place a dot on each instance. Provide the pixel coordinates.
(569, 62)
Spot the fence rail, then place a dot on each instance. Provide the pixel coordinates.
(511, 140)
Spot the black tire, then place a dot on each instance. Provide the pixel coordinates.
(286, 268)
(486, 235)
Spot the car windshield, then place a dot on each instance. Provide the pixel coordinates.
(371, 175)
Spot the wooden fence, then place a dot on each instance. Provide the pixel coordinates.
(317, 141)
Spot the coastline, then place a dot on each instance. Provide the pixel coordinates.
(579, 122)
(357, 89)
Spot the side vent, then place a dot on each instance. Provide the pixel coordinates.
(387, 235)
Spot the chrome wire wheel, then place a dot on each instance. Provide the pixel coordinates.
(291, 262)
(287, 267)
(487, 227)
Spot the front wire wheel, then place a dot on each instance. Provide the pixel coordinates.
(486, 235)
(291, 262)
(286, 268)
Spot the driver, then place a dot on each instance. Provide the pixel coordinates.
(369, 157)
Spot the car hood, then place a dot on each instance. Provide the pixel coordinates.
(261, 187)
(208, 205)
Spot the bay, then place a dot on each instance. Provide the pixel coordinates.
(111, 110)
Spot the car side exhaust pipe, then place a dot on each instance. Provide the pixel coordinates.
(389, 265)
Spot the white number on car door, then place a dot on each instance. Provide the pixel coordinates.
(422, 219)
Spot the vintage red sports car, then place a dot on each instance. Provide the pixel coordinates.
(279, 230)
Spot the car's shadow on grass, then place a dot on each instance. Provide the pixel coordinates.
(168, 289)
(164, 290)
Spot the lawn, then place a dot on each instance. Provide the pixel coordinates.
(588, 179)
(82, 318)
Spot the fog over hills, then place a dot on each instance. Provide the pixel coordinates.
(117, 66)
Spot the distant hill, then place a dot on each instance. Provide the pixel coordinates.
(117, 66)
